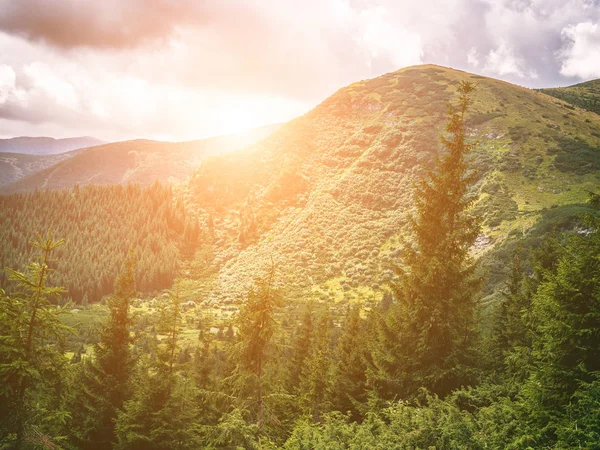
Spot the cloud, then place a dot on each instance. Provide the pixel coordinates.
(581, 54)
(473, 57)
(188, 68)
(504, 61)
(103, 24)
(62, 97)
(528, 33)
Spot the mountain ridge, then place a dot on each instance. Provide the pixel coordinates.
(138, 161)
(44, 145)
(327, 195)
(584, 95)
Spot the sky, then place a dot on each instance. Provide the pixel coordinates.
(188, 69)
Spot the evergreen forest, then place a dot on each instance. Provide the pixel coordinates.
(108, 340)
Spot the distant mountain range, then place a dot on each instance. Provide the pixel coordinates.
(46, 145)
(138, 161)
(14, 166)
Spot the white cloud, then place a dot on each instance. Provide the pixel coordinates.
(7, 82)
(189, 69)
(504, 60)
(383, 40)
(581, 54)
(473, 57)
(46, 80)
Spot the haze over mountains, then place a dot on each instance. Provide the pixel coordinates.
(14, 166)
(46, 145)
(138, 161)
(327, 195)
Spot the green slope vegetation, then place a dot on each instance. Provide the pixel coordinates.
(319, 211)
(139, 161)
(100, 224)
(583, 95)
(327, 196)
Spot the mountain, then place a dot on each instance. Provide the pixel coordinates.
(138, 161)
(14, 166)
(326, 197)
(45, 145)
(584, 95)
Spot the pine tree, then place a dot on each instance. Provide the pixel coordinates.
(163, 412)
(300, 349)
(429, 336)
(32, 359)
(350, 372)
(256, 325)
(103, 384)
(511, 335)
(170, 325)
(315, 382)
(566, 325)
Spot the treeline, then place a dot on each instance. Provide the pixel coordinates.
(306, 381)
(416, 372)
(101, 224)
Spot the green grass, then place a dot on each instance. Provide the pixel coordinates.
(584, 95)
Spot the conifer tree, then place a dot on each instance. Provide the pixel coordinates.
(511, 334)
(300, 348)
(163, 412)
(315, 383)
(103, 384)
(31, 355)
(350, 371)
(566, 324)
(429, 336)
(256, 325)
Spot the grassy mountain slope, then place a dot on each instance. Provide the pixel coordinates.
(14, 166)
(46, 145)
(326, 197)
(138, 161)
(584, 95)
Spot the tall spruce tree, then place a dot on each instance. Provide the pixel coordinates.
(252, 350)
(31, 354)
(163, 411)
(510, 349)
(350, 371)
(103, 384)
(428, 338)
(300, 348)
(566, 343)
(315, 382)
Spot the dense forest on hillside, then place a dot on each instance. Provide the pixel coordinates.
(100, 225)
(418, 370)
